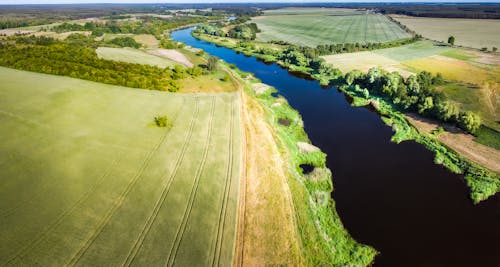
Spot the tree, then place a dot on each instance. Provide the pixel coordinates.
(212, 63)
(451, 40)
(427, 104)
(469, 121)
(447, 111)
(352, 76)
(494, 49)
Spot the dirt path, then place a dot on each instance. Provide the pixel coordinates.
(461, 142)
(267, 234)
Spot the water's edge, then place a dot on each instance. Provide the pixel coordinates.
(432, 218)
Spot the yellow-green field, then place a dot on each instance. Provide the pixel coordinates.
(312, 27)
(132, 55)
(475, 33)
(88, 179)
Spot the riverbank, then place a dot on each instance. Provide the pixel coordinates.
(482, 182)
(290, 217)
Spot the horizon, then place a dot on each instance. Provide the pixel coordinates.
(75, 2)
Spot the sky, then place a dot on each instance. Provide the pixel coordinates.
(21, 2)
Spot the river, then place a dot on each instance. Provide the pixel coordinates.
(390, 196)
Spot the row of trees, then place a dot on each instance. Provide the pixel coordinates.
(80, 61)
(148, 25)
(242, 31)
(415, 94)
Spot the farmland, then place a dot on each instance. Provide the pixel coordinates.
(107, 187)
(475, 75)
(476, 33)
(131, 55)
(326, 26)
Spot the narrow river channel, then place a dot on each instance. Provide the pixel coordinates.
(392, 197)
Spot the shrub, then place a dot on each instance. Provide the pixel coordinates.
(162, 121)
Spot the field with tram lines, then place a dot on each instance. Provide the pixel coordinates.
(326, 26)
(88, 179)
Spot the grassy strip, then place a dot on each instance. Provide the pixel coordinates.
(483, 183)
(325, 241)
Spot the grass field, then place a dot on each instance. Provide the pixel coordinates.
(132, 55)
(87, 179)
(326, 26)
(475, 33)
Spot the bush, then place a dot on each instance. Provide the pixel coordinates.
(162, 121)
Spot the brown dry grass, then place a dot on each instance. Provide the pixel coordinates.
(459, 141)
(269, 236)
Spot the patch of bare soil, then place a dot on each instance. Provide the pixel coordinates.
(260, 88)
(460, 141)
(268, 236)
(172, 54)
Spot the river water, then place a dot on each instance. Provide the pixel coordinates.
(390, 196)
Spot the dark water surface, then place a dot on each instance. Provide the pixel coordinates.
(392, 197)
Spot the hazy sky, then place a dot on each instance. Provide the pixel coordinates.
(212, 1)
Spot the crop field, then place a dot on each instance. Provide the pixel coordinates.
(132, 55)
(88, 179)
(475, 33)
(326, 26)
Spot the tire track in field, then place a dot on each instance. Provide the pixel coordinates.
(119, 201)
(159, 203)
(348, 30)
(192, 196)
(23, 251)
(366, 28)
(383, 28)
(219, 237)
(389, 25)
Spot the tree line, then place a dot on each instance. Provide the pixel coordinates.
(247, 31)
(47, 55)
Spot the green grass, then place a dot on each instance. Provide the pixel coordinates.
(132, 55)
(327, 27)
(412, 51)
(488, 136)
(459, 54)
(88, 178)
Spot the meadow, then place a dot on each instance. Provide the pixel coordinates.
(132, 55)
(89, 179)
(326, 26)
(476, 33)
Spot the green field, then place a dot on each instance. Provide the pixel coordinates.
(326, 26)
(88, 179)
(132, 55)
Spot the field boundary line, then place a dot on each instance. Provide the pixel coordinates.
(60, 219)
(159, 203)
(227, 189)
(119, 201)
(194, 190)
